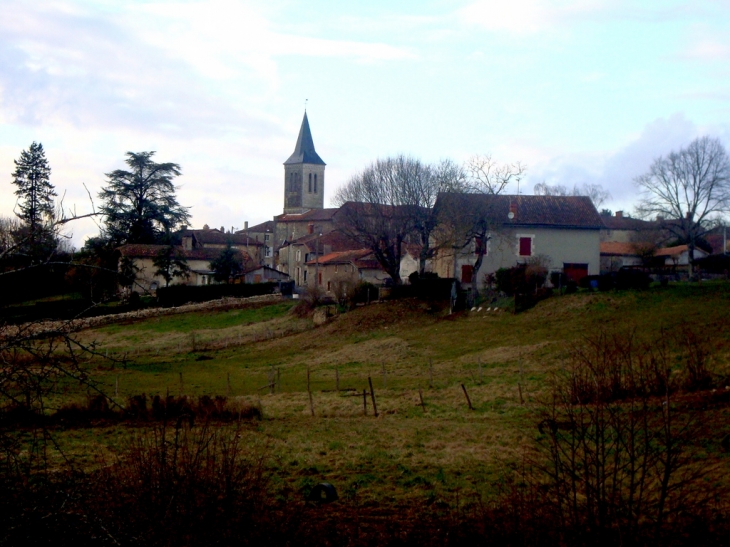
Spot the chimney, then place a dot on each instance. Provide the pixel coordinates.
(223, 229)
(310, 228)
(512, 210)
(245, 225)
(619, 214)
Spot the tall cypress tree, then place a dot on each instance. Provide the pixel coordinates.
(35, 200)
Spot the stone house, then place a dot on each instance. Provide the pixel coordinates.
(197, 259)
(212, 238)
(337, 271)
(561, 232)
(293, 257)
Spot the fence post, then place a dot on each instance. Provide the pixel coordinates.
(420, 395)
(463, 387)
(309, 391)
(372, 396)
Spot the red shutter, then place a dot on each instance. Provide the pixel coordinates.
(525, 246)
(466, 273)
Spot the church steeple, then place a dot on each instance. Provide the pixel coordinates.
(304, 150)
(304, 174)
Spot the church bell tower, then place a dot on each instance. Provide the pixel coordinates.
(303, 175)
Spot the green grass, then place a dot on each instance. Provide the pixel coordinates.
(405, 451)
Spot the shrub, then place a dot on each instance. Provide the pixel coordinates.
(177, 295)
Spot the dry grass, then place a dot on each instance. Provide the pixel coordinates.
(405, 451)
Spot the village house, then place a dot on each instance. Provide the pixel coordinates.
(197, 259)
(342, 271)
(561, 232)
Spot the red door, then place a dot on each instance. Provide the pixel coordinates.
(575, 272)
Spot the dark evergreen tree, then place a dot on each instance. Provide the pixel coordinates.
(35, 239)
(139, 205)
(228, 265)
(170, 263)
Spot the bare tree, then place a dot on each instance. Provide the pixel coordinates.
(467, 218)
(689, 189)
(391, 202)
(594, 191)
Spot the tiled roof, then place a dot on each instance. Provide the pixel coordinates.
(672, 251)
(304, 150)
(547, 211)
(312, 215)
(151, 251)
(617, 248)
(343, 257)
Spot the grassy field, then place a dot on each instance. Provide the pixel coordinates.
(504, 361)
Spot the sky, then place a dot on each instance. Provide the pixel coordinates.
(579, 91)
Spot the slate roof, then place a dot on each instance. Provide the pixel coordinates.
(151, 251)
(313, 215)
(304, 150)
(264, 227)
(542, 211)
(216, 237)
(628, 223)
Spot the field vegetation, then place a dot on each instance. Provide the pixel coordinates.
(553, 426)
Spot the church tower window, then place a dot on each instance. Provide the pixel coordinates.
(315, 183)
(310, 183)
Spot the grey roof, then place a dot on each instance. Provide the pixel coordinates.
(304, 151)
(548, 211)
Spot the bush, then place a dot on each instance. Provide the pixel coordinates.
(178, 295)
(511, 280)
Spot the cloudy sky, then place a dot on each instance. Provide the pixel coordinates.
(581, 91)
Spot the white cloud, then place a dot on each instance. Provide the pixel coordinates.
(525, 16)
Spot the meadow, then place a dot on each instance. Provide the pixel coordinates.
(425, 441)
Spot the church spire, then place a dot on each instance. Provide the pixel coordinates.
(304, 150)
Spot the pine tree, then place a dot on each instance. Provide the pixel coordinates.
(35, 201)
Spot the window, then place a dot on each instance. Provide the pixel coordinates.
(320, 278)
(268, 252)
(315, 183)
(310, 183)
(525, 245)
(329, 285)
(479, 247)
(305, 276)
(299, 255)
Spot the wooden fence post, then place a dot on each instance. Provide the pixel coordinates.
(420, 394)
(309, 391)
(372, 396)
(463, 387)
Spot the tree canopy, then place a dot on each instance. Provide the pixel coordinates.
(227, 265)
(139, 205)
